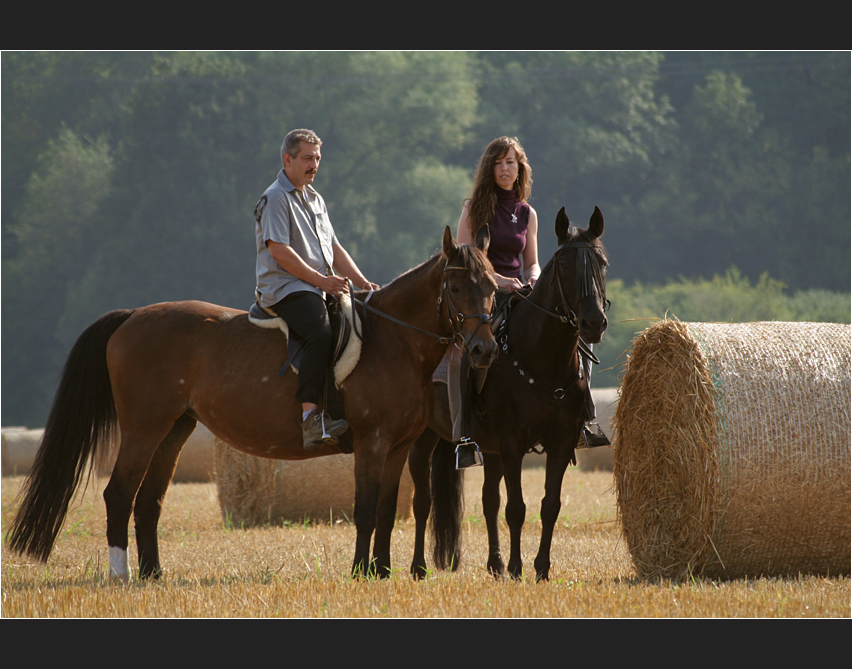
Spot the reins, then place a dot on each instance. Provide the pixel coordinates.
(588, 283)
(455, 324)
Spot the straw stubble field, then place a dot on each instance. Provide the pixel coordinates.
(302, 570)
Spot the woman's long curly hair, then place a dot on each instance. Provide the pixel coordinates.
(483, 200)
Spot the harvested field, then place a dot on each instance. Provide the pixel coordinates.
(302, 570)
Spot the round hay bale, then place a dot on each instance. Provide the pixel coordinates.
(195, 464)
(19, 448)
(258, 491)
(733, 451)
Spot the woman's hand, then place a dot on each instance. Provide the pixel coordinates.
(507, 283)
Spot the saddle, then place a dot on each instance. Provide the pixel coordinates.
(345, 354)
(344, 321)
(503, 304)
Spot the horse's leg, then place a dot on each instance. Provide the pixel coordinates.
(149, 500)
(557, 463)
(386, 512)
(419, 464)
(516, 509)
(369, 465)
(493, 473)
(134, 456)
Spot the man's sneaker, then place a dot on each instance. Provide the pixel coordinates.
(312, 432)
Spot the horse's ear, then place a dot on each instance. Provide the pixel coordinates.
(483, 238)
(596, 223)
(449, 242)
(562, 225)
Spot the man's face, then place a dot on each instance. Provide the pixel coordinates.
(302, 169)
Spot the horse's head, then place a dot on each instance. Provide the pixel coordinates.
(579, 272)
(468, 297)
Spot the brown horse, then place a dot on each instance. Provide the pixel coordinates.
(533, 394)
(158, 370)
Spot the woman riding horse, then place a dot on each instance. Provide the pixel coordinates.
(533, 394)
(502, 186)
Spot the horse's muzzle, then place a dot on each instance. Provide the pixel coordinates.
(481, 352)
(592, 330)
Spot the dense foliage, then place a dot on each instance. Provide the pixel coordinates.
(129, 177)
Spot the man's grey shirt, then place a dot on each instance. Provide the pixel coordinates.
(283, 215)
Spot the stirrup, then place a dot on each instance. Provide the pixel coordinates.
(468, 454)
(591, 440)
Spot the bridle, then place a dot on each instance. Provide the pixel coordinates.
(456, 319)
(457, 322)
(589, 282)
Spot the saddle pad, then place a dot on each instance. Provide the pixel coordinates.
(351, 352)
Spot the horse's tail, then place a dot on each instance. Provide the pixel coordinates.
(81, 420)
(447, 507)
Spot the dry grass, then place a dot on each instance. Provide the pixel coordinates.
(302, 570)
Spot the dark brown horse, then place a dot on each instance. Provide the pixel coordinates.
(158, 370)
(533, 394)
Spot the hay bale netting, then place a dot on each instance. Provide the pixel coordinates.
(19, 448)
(258, 491)
(733, 451)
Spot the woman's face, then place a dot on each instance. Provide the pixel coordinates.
(506, 169)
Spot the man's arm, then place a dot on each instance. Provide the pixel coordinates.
(344, 265)
(285, 256)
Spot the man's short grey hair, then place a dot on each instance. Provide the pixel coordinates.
(291, 144)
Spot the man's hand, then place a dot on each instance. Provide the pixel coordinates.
(333, 285)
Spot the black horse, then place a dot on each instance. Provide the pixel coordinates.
(534, 394)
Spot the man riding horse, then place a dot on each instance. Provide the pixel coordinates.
(297, 256)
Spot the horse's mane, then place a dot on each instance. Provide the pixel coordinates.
(470, 257)
(475, 259)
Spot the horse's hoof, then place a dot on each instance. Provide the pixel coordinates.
(419, 573)
(497, 570)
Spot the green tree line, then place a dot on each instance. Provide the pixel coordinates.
(129, 177)
(729, 297)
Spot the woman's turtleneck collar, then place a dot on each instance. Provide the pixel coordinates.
(506, 195)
